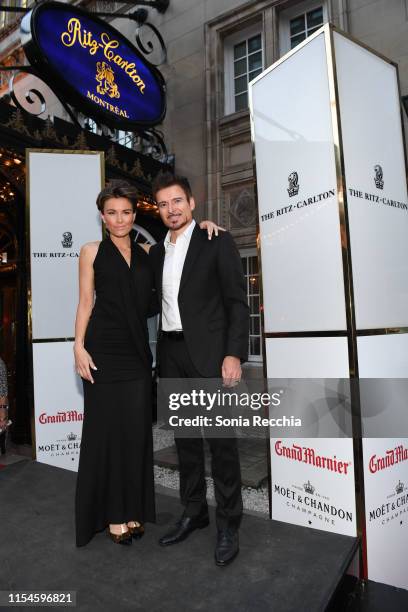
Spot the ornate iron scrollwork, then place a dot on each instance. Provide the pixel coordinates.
(156, 145)
(29, 93)
(145, 31)
(147, 46)
(33, 92)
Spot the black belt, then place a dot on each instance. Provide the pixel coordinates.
(173, 335)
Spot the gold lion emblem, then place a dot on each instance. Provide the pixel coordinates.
(106, 79)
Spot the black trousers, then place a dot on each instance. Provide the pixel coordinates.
(175, 362)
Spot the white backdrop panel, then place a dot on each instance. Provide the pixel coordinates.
(62, 193)
(372, 136)
(58, 404)
(385, 459)
(304, 493)
(307, 357)
(383, 356)
(300, 234)
(386, 500)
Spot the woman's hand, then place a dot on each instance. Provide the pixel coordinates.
(211, 228)
(84, 363)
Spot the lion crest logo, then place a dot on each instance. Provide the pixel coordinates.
(378, 178)
(106, 80)
(293, 180)
(66, 240)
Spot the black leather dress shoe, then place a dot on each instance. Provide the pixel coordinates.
(185, 526)
(227, 546)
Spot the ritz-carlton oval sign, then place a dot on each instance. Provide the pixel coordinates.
(93, 66)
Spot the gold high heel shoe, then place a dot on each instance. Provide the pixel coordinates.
(124, 538)
(136, 530)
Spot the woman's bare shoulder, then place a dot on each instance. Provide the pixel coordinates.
(89, 250)
(90, 247)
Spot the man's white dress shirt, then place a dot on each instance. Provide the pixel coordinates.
(175, 255)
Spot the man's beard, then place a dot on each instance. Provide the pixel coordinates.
(179, 223)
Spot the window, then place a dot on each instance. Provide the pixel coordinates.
(91, 125)
(249, 260)
(244, 60)
(302, 26)
(299, 22)
(247, 65)
(124, 138)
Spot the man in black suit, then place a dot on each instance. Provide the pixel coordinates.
(203, 334)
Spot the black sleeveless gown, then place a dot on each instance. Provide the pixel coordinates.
(115, 481)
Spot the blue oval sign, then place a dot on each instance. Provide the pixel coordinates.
(94, 67)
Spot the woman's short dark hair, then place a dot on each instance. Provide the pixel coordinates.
(167, 179)
(117, 189)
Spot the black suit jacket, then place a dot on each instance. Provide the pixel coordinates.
(212, 300)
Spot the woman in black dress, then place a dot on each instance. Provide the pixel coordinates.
(115, 476)
(115, 484)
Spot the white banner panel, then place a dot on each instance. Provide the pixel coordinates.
(386, 500)
(383, 356)
(313, 478)
(58, 404)
(307, 357)
(373, 151)
(384, 360)
(302, 269)
(313, 484)
(62, 190)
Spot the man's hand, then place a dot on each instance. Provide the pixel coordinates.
(231, 371)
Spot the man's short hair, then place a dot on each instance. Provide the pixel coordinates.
(117, 189)
(167, 179)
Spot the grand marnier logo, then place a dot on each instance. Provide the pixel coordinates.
(391, 457)
(67, 416)
(307, 454)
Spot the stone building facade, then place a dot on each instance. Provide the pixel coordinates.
(214, 47)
